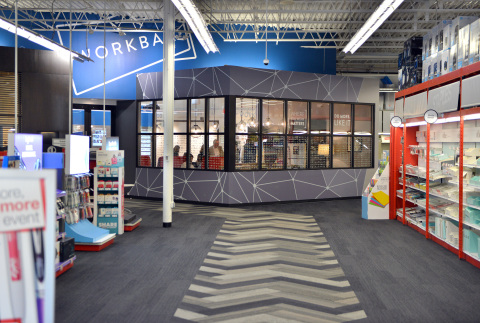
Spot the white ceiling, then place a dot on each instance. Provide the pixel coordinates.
(306, 23)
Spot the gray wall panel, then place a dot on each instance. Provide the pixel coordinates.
(251, 187)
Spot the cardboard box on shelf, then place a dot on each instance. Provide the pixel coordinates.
(445, 62)
(425, 46)
(457, 24)
(463, 46)
(474, 51)
(452, 62)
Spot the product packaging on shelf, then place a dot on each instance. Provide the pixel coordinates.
(457, 24)
(445, 62)
(474, 42)
(425, 46)
(453, 61)
(463, 46)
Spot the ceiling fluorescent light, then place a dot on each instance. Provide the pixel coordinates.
(418, 123)
(376, 20)
(41, 40)
(195, 20)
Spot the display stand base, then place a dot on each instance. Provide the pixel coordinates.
(132, 226)
(96, 246)
(64, 266)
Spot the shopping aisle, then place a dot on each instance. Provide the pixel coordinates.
(163, 275)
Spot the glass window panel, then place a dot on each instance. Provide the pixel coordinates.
(342, 147)
(146, 117)
(246, 119)
(180, 116)
(363, 119)
(273, 116)
(215, 151)
(145, 156)
(97, 129)
(179, 150)
(246, 152)
(342, 116)
(197, 115)
(319, 152)
(362, 151)
(297, 152)
(197, 150)
(78, 120)
(159, 117)
(216, 114)
(320, 118)
(273, 152)
(297, 117)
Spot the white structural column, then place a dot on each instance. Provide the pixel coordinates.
(16, 67)
(168, 93)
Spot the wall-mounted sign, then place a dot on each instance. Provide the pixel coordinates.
(431, 116)
(396, 122)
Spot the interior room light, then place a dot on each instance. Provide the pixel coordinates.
(376, 20)
(472, 116)
(195, 20)
(41, 40)
(447, 120)
(418, 123)
(324, 149)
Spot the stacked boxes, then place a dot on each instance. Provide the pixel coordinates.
(411, 63)
(450, 45)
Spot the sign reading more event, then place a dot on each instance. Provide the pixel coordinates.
(22, 204)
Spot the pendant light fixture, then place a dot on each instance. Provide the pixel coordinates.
(196, 128)
(251, 122)
(268, 121)
(241, 125)
(215, 123)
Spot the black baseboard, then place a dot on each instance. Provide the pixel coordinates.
(244, 204)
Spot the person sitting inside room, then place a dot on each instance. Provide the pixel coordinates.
(216, 150)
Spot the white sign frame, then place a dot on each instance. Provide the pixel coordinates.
(430, 116)
(394, 122)
(25, 241)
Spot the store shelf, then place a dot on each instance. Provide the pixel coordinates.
(471, 225)
(444, 241)
(424, 177)
(443, 197)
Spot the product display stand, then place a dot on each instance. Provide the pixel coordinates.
(435, 166)
(63, 261)
(375, 199)
(133, 226)
(109, 191)
(87, 236)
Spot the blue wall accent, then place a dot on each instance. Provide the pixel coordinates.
(143, 52)
(97, 118)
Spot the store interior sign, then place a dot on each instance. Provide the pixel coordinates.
(396, 122)
(341, 120)
(431, 116)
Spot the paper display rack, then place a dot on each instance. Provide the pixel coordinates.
(376, 199)
(109, 190)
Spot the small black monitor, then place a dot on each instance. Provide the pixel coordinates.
(47, 138)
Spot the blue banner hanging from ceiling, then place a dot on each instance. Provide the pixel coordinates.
(124, 56)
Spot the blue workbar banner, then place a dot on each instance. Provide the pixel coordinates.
(124, 56)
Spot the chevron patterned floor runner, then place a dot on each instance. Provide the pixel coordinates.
(269, 267)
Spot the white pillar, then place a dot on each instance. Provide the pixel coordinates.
(16, 67)
(168, 93)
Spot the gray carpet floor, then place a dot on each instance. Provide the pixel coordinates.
(396, 274)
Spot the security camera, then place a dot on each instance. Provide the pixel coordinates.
(266, 61)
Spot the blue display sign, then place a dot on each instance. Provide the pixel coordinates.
(142, 52)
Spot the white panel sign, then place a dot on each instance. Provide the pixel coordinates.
(399, 107)
(445, 98)
(470, 92)
(22, 204)
(415, 105)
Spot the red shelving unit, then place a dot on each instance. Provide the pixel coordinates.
(398, 167)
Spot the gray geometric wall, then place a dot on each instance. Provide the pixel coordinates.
(255, 186)
(243, 81)
(251, 187)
